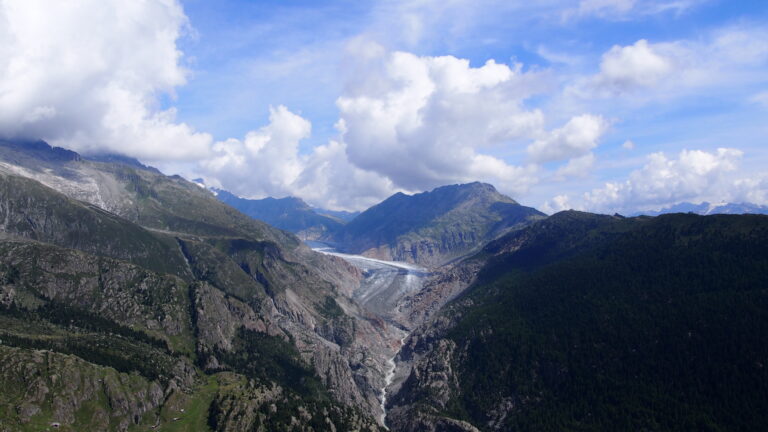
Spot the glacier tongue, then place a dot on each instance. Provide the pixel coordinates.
(385, 283)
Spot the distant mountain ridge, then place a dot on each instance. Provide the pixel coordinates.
(706, 208)
(431, 228)
(290, 214)
(345, 216)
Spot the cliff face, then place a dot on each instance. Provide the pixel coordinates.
(123, 269)
(434, 227)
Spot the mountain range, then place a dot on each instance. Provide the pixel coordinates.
(429, 228)
(706, 208)
(290, 214)
(131, 300)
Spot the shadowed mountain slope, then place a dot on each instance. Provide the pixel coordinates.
(589, 322)
(290, 214)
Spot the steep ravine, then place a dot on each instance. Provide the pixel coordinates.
(389, 379)
(381, 291)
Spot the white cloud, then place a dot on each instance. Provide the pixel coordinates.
(331, 181)
(733, 56)
(695, 175)
(632, 66)
(407, 123)
(427, 121)
(753, 189)
(558, 203)
(267, 162)
(576, 138)
(576, 167)
(86, 74)
(628, 145)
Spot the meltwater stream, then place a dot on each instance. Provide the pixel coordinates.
(385, 283)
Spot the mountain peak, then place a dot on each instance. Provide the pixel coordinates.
(474, 186)
(42, 150)
(445, 222)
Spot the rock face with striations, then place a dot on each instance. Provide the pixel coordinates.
(434, 227)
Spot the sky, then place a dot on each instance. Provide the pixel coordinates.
(599, 105)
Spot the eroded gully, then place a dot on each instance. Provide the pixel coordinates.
(384, 285)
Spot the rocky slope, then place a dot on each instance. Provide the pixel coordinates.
(432, 228)
(148, 275)
(594, 322)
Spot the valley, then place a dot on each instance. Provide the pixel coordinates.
(383, 216)
(455, 309)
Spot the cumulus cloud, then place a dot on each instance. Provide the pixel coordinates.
(632, 66)
(407, 123)
(753, 189)
(576, 138)
(645, 70)
(267, 162)
(86, 74)
(695, 175)
(427, 121)
(557, 204)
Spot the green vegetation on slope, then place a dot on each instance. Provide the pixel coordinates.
(601, 323)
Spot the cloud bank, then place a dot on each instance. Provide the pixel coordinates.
(694, 175)
(87, 74)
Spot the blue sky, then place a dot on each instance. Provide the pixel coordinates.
(235, 43)
(602, 105)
